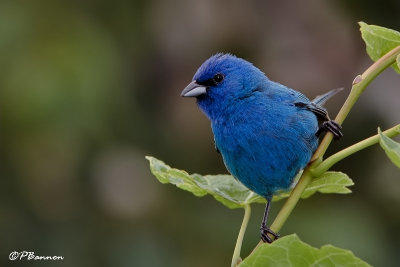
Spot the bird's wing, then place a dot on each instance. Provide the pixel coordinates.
(315, 105)
(286, 93)
(299, 96)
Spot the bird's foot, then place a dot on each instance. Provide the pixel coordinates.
(264, 230)
(331, 126)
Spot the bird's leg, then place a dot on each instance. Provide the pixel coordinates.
(331, 126)
(265, 230)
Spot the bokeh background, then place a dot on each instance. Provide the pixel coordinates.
(88, 88)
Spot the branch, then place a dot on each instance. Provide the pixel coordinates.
(359, 85)
(332, 160)
(236, 254)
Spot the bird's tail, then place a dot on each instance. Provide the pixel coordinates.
(321, 99)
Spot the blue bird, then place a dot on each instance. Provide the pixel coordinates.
(265, 131)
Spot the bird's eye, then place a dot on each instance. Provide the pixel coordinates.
(218, 78)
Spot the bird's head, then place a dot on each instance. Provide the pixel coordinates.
(221, 80)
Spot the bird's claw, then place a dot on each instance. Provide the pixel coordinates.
(331, 126)
(264, 230)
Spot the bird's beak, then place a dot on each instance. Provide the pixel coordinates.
(194, 89)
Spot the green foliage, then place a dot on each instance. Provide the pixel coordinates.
(234, 194)
(291, 251)
(379, 41)
(391, 148)
(223, 188)
(327, 183)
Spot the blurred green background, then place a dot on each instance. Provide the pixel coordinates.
(88, 88)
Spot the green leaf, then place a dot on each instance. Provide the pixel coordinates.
(327, 183)
(391, 148)
(233, 194)
(291, 251)
(379, 41)
(398, 61)
(223, 188)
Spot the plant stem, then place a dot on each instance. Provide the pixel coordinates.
(359, 85)
(332, 160)
(236, 254)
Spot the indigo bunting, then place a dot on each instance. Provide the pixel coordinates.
(265, 131)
